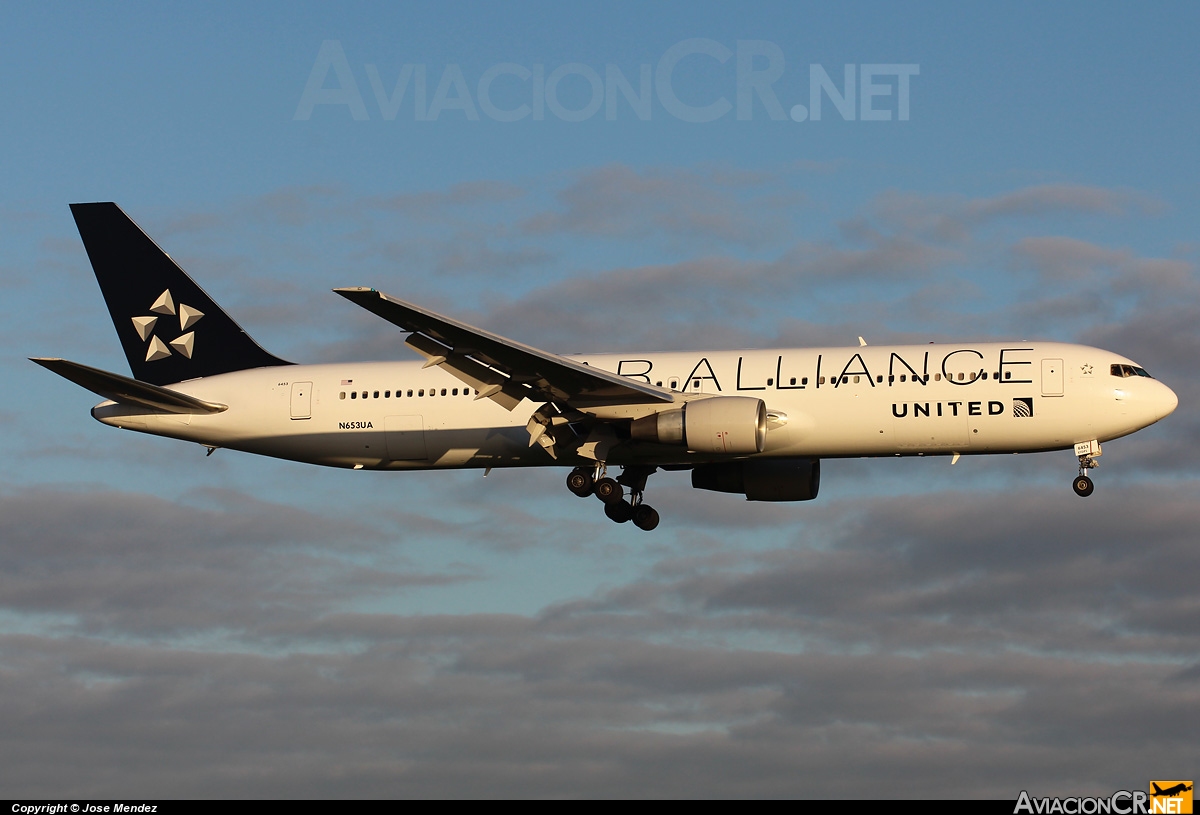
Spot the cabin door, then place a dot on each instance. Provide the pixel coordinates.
(301, 400)
(1052, 377)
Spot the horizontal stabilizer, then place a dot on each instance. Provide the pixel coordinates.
(126, 391)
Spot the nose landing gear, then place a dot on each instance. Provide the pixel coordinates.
(1086, 452)
(1083, 485)
(585, 481)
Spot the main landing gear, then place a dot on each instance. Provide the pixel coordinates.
(1083, 485)
(585, 481)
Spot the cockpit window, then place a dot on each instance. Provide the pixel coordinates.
(1125, 371)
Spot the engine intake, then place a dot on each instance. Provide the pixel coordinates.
(735, 425)
(780, 479)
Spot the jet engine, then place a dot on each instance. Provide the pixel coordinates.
(736, 425)
(779, 479)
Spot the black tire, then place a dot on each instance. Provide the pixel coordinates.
(1083, 486)
(609, 491)
(619, 511)
(645, 517)
(580, 482)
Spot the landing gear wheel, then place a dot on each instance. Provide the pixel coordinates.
(1083, 486)
(610, 492)
(581, 483)
(645, 517)
(619, 511)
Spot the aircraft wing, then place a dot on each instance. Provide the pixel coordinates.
(126, 391)
(501, 369)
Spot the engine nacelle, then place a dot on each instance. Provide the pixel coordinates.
(780, 479)
(736, 425)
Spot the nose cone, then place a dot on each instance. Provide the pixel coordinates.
(1165, 402)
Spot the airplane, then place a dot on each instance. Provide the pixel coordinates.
(1170, 792)
(754, 423)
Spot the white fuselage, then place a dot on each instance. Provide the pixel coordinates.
(826, 403)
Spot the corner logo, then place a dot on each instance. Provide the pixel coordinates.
(183, 344)
(1023, 407)
(1164, 798)
(1171, 797)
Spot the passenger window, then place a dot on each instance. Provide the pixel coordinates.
(903, 377)
(387, 394)
(421, 392)
(937, 377)
(443, 391)
(856, 380)
(353, 394)
(770, 381)
(342, 395)
(961, 377)
(376, 394)
(793, 380)
(803, 381)
(674, 384)
(455, 392)
(879, 378)
(658, 384)
(974, 375)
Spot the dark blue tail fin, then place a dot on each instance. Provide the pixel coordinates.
(169, 328)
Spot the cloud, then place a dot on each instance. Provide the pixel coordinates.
(953, 218)
(971, 643)
(115, 562)
(617, 201)
(909, 644)
(1061, 258)
(429, 204)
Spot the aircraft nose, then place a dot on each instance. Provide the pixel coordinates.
(1165, 402)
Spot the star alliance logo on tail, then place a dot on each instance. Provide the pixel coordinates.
(183, 344)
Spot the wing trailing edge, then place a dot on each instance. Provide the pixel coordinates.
(501, 369)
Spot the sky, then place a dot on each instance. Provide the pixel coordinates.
(586, 178)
